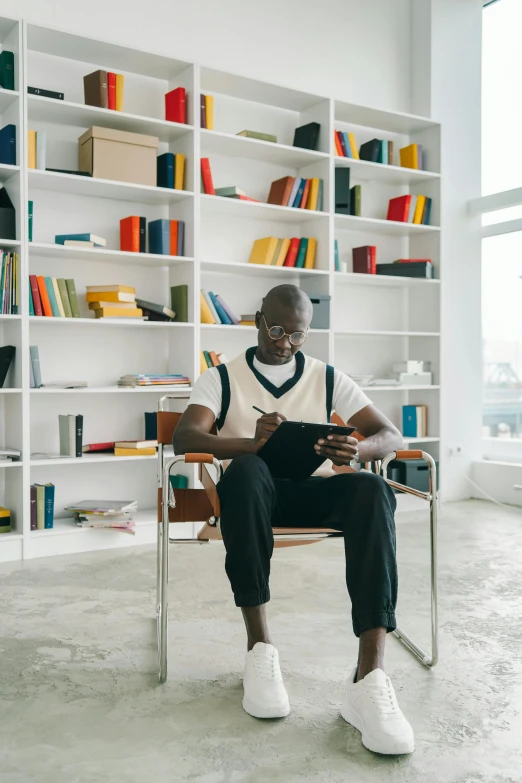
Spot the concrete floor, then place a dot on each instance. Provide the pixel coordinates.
(79, 702)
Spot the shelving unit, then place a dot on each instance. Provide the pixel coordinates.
(374, 320)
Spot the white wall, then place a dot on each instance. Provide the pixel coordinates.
(348, 49)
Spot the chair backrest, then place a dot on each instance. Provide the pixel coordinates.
(167, 423)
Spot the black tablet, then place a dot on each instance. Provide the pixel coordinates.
(289, 452)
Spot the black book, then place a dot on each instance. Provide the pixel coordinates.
(408, 269)
(370, 150)
(307, 136)
(71, 171)
(79, 435)
(151, 426)
(7, 353)
(342, 191)
(45, 93)
(153, 315)
(7, 216)
(143, 235)
(8, 145)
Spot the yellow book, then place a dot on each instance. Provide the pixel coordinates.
(209, 111)
(111, 296)
(263, 250)
(310, 253)
(31, 149)
(122, 289)
(206, 313)
(119, 91)
(313, 194)
(272, 261)
(202, 363)
(353, 146)
(179, 171)
(283, 250)
(409, 156)
(58, 297)
(134, 452)
(116, 312)
(419, 209)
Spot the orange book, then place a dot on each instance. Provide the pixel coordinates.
(338, 148)
(130, 234)
(306, 190)
(173, 237)
(213, 358)
(44, 296)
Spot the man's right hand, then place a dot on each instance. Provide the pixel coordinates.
(265, 426)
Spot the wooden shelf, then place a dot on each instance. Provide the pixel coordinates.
(101, 254)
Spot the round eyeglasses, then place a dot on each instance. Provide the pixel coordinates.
(277, 333)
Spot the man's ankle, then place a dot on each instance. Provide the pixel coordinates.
(366, 668)
(262, 639)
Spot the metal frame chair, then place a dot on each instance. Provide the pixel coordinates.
(202, 505)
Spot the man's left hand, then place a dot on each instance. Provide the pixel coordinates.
(341, 449)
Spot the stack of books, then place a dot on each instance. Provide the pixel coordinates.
(42, 506)
(145, 379)
(375, 151)
(209, 359)
(113, 301)
(214, 309)
(404, 210)
(248, 320)
(176, 105)
(207, 111)
(167, 237)
(10, 455)
(411, 156)
(297, 192)
(71, 435)
(296, 252)
(109, 514)
(80, 240)
(104, 89)
(415, 421)
(345, 145)
(9, 283)
(171, 170)
(53, 297)
(135, 448)
(5, 520)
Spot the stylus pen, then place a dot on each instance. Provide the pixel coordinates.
(258, 409)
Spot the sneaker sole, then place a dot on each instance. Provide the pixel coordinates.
(265, 712)
(353, 718)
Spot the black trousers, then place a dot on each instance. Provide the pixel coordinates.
(361, 505)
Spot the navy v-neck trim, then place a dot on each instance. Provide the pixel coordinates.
(277, 391)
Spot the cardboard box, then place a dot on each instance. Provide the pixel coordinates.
(118, 155)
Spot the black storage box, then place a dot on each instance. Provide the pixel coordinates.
(411, 472)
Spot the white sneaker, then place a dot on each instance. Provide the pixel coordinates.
(371, 707)
(265, 695)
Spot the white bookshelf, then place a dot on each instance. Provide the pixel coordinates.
(374, 320)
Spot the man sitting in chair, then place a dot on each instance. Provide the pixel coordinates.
(277, 376)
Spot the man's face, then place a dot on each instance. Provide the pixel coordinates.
(279, 351)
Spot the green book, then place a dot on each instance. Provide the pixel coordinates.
(320, 196)
(73, 300)
(208, 359)
(301, 253)
(7, 70)
(179, 302)
(31, 305)
(62, 287)
(336, 256)
(30, 214)
(355, 201)
(40, 507)
(255, 135)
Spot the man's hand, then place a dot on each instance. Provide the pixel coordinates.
(341, 449)
(265, 426)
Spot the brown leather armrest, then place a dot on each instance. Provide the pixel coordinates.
(198, 458)
(409, 454)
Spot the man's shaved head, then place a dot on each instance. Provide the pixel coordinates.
(287, 306)
(289, 297)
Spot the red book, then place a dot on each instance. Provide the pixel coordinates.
(44, 297)
(111, 87)
(130, 234)
(291, 256)
(37, 302)
(373, 260)
(176, 105)
(342, 143)
(413, 261)
(240, 197)
(338, 148)
(399, 208)
(362, 260)
(173, 237)
(306, 190)
(98, 447)
(203, 111)
(206, 175)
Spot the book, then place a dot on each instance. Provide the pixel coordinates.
(283, 251)
(427, 212)
(165, 170)
(173, 244)
(35, 295)
(337, 263)
(59, 96)
(52, 297)
(256, 135)
(130, 233)
(41, 143)
(296, 203)
(209, 112)
(419, 209)
(370, 150)
(44, 297)
(313, 194)
(320, 196)
(263, 250)
(103, 506)
(95, 89)
(78, 243)
(280, 191)
(90, 448)
(71, 290)
(179, 302)
(364, 260)
(74, 172)
(339, 143)
(214, 358)
(414, 421)
(306, 191)
(293, 192)
(66, 385)
(390, 153)
(310, 253)
(35, 364)
(208, 360)
(233, 317)
(347, 146)
(399, 208)
(67, 432)
(61, 310)
(8, 145)
(230, 190)
(33, 507)
(206, 177)
(307, 136)
(409, 156)
(422, 269)
(383, 153)
(136, 444)
(353, 146)
(156, 308)
(342, 191)
(120, 85)
(79, 435)
(31, 149)
(9, 283)
(40, 506)
(292, 252)
(151, 425)
(7, 70)
(205, 311)
(31, 304)
(98, 241)
(30, 206)
(179, 171)
(210, 305)
(278, 247)
(116, 312)
(202, 363)
(301, 254)
(355, 200)
(134, 452)
(159, 237)
(176, 105)
(7, 354)
(202, 111)
(223, 315)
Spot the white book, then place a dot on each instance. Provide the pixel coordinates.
(35, 366)
(41, 142)
(58, 297)
(77, 243)
(63, 426)
(211, 307)
(293, 194)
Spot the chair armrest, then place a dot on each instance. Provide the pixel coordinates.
(408, 454)
(193, 458)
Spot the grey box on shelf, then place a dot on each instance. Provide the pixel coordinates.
(411, 472)
(321, 316)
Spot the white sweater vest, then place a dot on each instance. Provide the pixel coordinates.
(305, 397)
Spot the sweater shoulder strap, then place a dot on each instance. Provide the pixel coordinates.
(225, 395)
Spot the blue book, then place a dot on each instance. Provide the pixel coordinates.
(165, 170)
(49, 507)
(31, 305)
(181, 238)
(409, 421)
(347, 142)
(59, 239)
(8, 145)
(383, 153)
(52, 297)
(427, 214)
(336, 256)
(320, 196)
(225, 319)
(159, 237)
(299, 194)
(301, 253)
